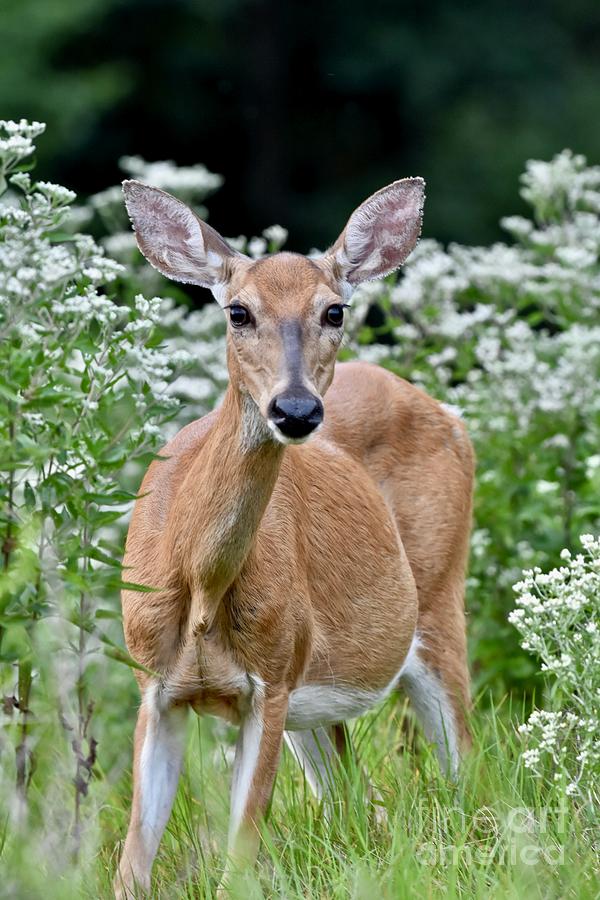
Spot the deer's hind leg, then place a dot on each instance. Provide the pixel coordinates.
(436, 677)
(158, 754)
(317, 754)
(325, 756)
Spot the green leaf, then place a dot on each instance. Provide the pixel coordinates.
(6, 392)
(141, 588)
(95, 553)
(107, 614)
(29, 496)
(121, 656)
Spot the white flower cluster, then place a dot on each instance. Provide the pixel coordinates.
(190, 183)
(564, 184)
(53, 305)
(16, 141)
(201, 336)
(276, 237)
(55, 194)
(32, 265)
(273, 238)
(525, 375)
(475, 293)
(558, 615)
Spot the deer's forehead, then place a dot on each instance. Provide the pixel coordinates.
(285, 283)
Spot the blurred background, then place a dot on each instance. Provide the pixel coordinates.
(307, 107)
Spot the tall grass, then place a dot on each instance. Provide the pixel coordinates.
(496, 833)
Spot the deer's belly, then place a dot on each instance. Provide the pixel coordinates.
(314, 705)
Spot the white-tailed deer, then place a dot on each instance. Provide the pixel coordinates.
(299, 583)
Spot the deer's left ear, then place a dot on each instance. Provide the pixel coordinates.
(381, 233)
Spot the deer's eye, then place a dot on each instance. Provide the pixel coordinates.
(238, 315)
(334, 315)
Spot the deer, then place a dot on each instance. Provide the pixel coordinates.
(306, 542)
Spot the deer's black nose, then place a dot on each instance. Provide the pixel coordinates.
(296, 415)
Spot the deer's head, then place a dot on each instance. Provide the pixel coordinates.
(286, 311)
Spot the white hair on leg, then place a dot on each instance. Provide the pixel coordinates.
(433, 707)
(160, 767)
(316, 755)
(246, 759)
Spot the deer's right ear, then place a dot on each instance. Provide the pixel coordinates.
(175, 241)
(381, 233)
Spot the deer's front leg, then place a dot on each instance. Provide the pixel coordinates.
(256, 759)
(158, 753)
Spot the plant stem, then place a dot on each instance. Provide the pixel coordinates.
(7, 546)
(85, 708)
(23, 754)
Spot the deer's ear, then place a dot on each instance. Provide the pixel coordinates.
(381, 233)
(174, 240)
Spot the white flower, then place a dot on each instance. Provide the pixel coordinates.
(238, 243)
(276, 236)
(150, 429)
(257, 247)
(187, 182)
(531, 758)
(104, 200)
(121, 245)
(22, 180)
(517, 226)
(55, 193)
(590, 543)
(593, 464)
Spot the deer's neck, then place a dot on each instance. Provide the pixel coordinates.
(226, 493)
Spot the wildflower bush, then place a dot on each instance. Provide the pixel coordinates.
(558, 617)
(94, 377)
(83, 394)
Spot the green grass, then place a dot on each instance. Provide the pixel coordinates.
(497, 833)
